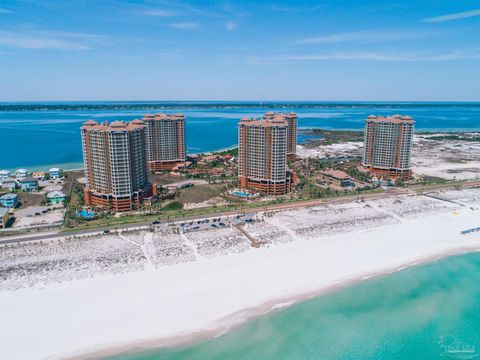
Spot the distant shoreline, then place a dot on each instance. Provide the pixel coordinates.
(178, 105)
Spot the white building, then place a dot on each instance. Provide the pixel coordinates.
(55, 173)
(22, 174)
(4, 174)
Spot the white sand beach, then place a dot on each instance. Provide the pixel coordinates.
(310, 250)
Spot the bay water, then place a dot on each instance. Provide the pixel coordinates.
(43, 138)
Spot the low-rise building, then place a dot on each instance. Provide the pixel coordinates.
(56, 197)
(55, 173)
(29, 184)
(4, 174)
(39, 175)
(9, 200)
(339, 176)
(22, 174)
(9, 184)
(4, 217)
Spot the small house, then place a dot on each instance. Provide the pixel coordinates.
(4, 217)
(39, 175)
(9, 184)
(9, 200)
(4, 174)
(55, 173)
(29, 184)
(56, 197)
(22, 174)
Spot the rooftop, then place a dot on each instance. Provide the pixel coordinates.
(285, 116)
(54, 194)
(338, 174)
(391, 119)
(9, 196)
(29, 179)
(275, 122)
(3, 211)
(8, 180)
(161, 117)
(114, 126)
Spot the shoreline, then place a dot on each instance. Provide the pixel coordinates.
(243, 317)
(193, 301)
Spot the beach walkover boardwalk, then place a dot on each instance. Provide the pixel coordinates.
(469, 231)
(255, 243)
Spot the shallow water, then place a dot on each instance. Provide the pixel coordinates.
(406, 315)
(39, 139)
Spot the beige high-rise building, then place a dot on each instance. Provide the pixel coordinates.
(262, 156)
(115, 164)
(165, 141)
(388, 145)
(292, 120)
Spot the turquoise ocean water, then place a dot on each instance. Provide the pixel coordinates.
(48, 136)
(403, 316)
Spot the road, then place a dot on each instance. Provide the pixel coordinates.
(254, 210)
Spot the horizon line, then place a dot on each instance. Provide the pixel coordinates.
(3, 102)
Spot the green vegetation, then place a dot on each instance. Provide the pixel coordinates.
(457, 137)
(233, 152)
(30, 199)
(358, 175)
(174, 205)
(432, 180)
(328, 137)
(200, 193)
(308, 192)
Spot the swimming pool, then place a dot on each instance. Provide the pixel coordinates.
(240, 193)
(86, 214)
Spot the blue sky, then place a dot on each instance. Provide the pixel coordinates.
(239, 50)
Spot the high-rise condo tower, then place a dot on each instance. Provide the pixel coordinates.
(262, 156)
(388, 145)
(291, 119)
(115, 164)
(165, 141)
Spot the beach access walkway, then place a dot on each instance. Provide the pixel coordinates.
(253, 241)
(469, 231)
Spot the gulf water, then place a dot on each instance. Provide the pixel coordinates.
(412, 314)
(40, 139)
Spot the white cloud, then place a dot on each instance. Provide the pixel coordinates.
(184, 25)
(5, 11)
(451, 17)
(158, 13)
(293, 9)
(47, 39)
(365, 56)
(363, 36)
(230, 25)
